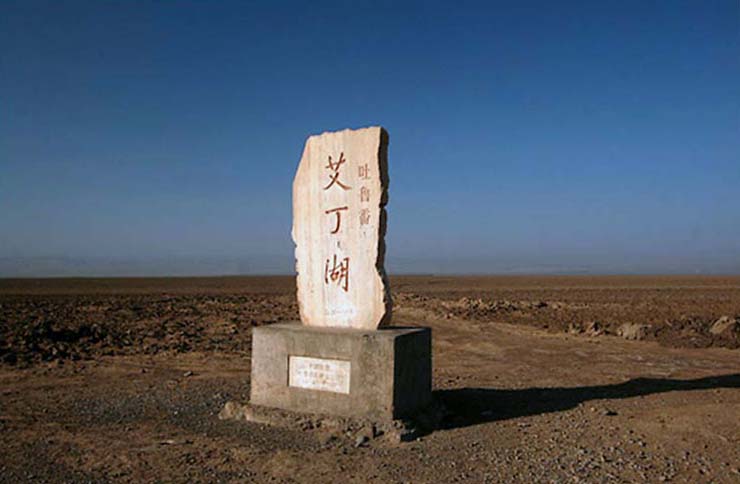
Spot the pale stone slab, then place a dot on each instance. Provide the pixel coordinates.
(339, 196)
(319, 374)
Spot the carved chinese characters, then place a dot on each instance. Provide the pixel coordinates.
(339, 195)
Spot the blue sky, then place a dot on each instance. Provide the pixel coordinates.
(162, 137)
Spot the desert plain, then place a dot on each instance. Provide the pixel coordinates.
(541, 379)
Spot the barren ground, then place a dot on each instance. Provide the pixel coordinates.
(104, 379)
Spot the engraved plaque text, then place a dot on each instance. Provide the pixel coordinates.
(319, 374)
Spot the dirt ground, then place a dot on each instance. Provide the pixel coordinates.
(545, 379)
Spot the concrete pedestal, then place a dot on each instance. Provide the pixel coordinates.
(385, 373)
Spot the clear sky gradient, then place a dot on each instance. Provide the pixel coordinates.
(525, 137)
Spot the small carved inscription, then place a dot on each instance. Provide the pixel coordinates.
(334, 177)
(338, 273)
(319, 374)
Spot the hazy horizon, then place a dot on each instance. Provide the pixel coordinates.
(215, 267)
(161, 138)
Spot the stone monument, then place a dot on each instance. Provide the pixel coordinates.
(343, 358)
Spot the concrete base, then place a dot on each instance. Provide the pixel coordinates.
(383, 374)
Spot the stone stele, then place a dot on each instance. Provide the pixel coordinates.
(339, 196)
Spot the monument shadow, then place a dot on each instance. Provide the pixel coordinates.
(472, 406)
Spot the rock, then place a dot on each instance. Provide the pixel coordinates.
(634, 331)
(232, 411)
(725, 326)
(361, 440)
(592, 328)
(339, 195)
(365, 434)
(402, 431)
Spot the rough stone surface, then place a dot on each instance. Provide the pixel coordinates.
(634, 331)
(725, 325)
(339, 222)
(232, 411)
(390, 370)
(333, 428)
